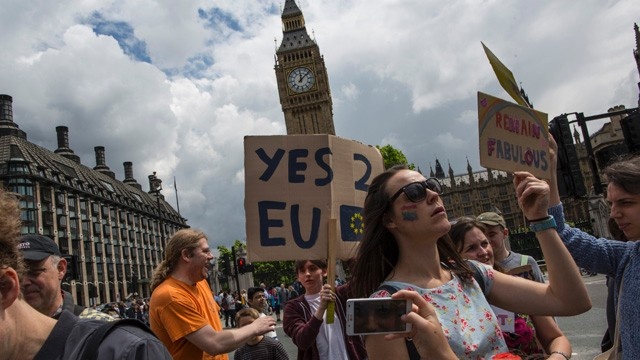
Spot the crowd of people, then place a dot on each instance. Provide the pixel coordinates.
(134, 308)
(473, 297)
(272, 299)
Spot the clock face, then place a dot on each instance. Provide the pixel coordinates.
(301, 79)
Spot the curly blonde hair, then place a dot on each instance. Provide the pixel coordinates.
(10, 225)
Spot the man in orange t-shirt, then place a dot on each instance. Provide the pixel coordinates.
(182, 312)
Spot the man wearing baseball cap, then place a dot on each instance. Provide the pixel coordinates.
(497, 234)
(41, 283)
(26, 333)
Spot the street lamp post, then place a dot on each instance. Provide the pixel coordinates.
(235, 268)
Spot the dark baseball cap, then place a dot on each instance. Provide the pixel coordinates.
(492, 219)
(37, 247)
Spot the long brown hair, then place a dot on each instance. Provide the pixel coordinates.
(378, 250)
(183, 239)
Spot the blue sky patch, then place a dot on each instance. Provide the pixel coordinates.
(216, 18)
(197, 66)
(124, 35)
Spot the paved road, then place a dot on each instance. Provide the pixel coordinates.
(584, 331)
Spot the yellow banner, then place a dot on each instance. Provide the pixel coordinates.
(505, 77)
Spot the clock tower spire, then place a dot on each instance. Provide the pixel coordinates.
(303, 84)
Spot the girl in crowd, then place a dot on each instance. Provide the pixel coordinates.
(618, 260)
(406, 246)
(469, 239)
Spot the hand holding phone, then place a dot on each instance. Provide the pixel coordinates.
(377, 316)
(426, 331)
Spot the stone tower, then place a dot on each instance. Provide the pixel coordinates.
(303, 84)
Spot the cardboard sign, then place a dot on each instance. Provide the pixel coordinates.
(294, 184)
(513, 137)
(523, 271)
(506, 319)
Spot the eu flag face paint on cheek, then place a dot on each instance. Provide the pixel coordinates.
(409, 212)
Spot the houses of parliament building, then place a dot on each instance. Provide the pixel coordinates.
(305, 97)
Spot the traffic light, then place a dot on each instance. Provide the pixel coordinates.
(226, 265)
(631, 131)
(242, 262)
(570, 181)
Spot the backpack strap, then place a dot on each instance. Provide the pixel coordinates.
(411, 348)
(90, 351)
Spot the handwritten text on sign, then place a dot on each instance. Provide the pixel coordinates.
(295, 184)
(512, 137)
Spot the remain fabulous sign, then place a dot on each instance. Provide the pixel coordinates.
(513, 137)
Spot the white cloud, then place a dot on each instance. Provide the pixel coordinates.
(350, 91)
(450, 142)
(403, 73)
(468, 118)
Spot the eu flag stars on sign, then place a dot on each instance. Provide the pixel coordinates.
(351, 224)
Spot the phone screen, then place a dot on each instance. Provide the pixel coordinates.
(377, 316)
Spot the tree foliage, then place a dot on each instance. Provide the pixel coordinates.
(392, 156)
(270, 273)
(273, 273)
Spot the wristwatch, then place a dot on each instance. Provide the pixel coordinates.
(545, 224)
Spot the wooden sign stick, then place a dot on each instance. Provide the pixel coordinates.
(332, 233)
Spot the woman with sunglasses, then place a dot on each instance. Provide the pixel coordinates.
(405, 245)
(527, 336)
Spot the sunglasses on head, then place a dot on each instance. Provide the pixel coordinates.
(417, 191)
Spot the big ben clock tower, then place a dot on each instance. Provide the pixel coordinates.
(303, 84)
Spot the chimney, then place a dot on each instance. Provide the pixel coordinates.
(63, 144)
(128, 171)
(63, 137)
(7, 126)
(101, 163)
(128, 175)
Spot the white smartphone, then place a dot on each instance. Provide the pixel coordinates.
(377, 316)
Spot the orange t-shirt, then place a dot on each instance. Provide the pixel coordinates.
(178, 309)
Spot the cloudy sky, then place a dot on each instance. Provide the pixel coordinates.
(174, 86)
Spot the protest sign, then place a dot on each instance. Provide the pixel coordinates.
(513, 137)
(294, 184)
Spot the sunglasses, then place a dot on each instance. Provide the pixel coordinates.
(417, 191)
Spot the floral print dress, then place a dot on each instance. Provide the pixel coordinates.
(466, 317)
